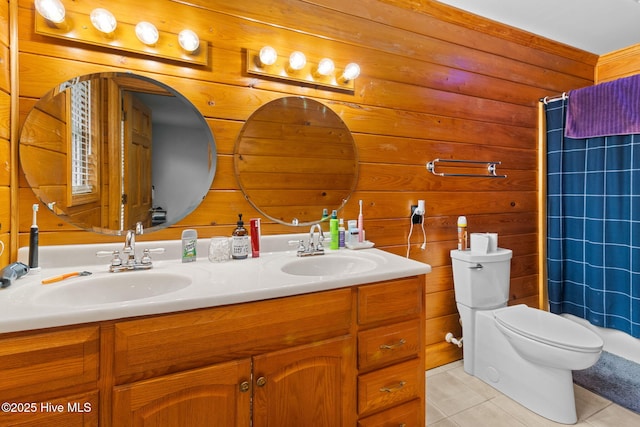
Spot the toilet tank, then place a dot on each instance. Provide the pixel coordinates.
(481, 280)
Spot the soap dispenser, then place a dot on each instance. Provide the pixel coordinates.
(240, 243)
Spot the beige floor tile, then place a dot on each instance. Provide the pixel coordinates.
(444, 423)
(614, 416)
(474, 383)
(485, 415)
(444, 368)
(433, 413)
(456, 399)
(451, 395)
(526, 416)
(588, 403)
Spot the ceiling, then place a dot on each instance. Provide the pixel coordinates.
(596, 26)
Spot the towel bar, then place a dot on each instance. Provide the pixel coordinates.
(491, 168)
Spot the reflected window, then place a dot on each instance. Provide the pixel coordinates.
(84, 175)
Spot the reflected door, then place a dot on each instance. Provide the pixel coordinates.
(137, 131)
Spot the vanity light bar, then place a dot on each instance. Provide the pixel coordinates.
(100, 28)
(296, 68)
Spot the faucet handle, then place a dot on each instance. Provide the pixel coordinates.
(146, 255)
(115, 260)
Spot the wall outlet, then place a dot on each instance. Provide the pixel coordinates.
(416, 219)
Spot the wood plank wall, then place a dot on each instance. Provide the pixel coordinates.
(435, 83)
(620, 63)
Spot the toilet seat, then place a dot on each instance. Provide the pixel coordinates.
(548, 328)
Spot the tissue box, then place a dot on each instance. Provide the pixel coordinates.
(484, 243)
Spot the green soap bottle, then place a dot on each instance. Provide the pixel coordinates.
(333, 230)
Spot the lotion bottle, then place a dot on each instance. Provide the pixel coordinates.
(462, 233)
(341, 233)
(333, 230)
(240, 243)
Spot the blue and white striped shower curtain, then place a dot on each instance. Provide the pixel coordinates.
(593, 220)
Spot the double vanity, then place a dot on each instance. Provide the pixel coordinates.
(331, 340)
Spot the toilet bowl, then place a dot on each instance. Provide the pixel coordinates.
(548, 339)
(525, 353)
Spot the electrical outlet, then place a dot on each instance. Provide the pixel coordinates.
(416, 219)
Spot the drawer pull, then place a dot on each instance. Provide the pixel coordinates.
(244, 386)
(393, 346)
(261, 381)
(393, 389)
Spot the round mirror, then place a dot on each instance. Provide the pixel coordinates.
(106, 151)
(294, 158)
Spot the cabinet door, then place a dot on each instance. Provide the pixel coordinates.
(216, 396)
(311, 386)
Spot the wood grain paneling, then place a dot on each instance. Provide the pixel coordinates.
(436, 83)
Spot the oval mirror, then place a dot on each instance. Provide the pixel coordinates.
(295, 157)
(106, 151)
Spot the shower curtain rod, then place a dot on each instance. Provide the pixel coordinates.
(547, 99)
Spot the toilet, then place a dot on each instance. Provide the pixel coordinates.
(525, 353)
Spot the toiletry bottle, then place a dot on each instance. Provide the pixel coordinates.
(462, 233)
(333, 230)
(325, 218)
(240, 243)
(352, 232)
(189, 243)
(341, 233)
(254, 226)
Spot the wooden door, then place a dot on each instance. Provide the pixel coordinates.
(216, 396)
(137, 165)
(311, 386)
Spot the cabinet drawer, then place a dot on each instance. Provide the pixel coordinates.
(163, 344)
(40, 362)
(389, 386)
(382, 346)
(406, 415)
(396, 299)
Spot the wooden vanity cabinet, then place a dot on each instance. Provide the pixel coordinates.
(339, 358)
(50, 377)
(282, 362)
(391, 380)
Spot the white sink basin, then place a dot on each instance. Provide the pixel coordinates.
(112, 288)
(327, 265)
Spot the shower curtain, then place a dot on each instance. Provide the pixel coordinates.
(593, 221)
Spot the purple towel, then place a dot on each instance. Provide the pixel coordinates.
(611, 108)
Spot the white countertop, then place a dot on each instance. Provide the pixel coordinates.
(27, 304)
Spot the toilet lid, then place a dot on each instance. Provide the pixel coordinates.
(548, 328)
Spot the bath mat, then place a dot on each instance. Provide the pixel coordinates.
(614, 378)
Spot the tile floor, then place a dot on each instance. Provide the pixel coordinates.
(456, 399)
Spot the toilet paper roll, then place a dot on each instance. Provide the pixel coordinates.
(484, 243)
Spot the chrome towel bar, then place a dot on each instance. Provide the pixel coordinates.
(491, 168)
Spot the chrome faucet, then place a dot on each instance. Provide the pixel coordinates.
(130, 262)
(312, 247)
(130, 243)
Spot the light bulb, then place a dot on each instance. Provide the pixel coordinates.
(268, 55)
(325, 67)
(297, 61)
(188, 40)
(51, 10)
(351, 71)
(147, 33)
(103, 20)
